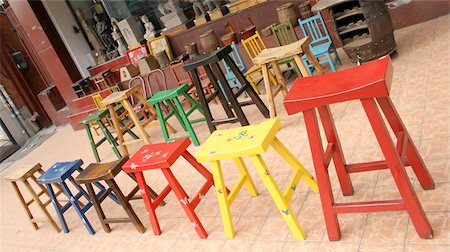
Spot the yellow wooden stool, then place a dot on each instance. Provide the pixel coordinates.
(145, 110)
(253, 141)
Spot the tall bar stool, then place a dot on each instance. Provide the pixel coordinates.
(369, 83)
(107, 172)
(210, 62)
(272, 56)
(25, 174)
(146, 111)
(253, 141)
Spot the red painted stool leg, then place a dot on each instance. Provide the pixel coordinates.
(199, 167)
(326, 193)
(338, 156)
(148, 203)
(416, 162)
(411, 203)
(184, 201)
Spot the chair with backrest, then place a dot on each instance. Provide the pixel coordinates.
(138, 80)
(321, 43)
(284, 35)
(156, 78)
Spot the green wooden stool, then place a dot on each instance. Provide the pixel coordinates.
(97, 118)
(169, 99)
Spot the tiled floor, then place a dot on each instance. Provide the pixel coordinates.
(421, 93)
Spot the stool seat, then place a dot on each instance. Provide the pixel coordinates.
(156, 156)
(60, 171)
(238, 142)
(168, 94)
(282, 52)
(101, 171)
(23, 172)
(121, 95)
(94, 117)
(369, 80)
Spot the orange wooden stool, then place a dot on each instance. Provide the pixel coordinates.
(162, 156)
(369, 83)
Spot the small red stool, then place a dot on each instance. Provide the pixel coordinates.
(162, 156)
(369, 83)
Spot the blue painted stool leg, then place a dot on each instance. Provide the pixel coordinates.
(77, 208)
(57, 208)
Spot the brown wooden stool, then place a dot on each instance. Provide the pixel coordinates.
(23, 174)
(271, 56)
(107, 172)
(146, 110)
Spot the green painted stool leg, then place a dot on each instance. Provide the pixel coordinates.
(91, 140)
(110, 138)
(176, 113)
(162, 122)
(194, 103)
(186, 122)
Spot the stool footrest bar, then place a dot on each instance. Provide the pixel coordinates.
(161, 197)
(236, 188)
(369, 206)
(116, 220)
(368, 166)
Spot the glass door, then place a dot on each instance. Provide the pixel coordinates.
(7, 143)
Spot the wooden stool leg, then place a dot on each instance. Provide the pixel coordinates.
(142, 133)
(185, 121)
(222, 97)
(280, 78)
(301, 65)
(222, 198)
(270, 100)
(117, 128)
(301, 171)
(24, 204)
(201, 96)
(312, 58)
(77, 208)
(251, 188)
(126, 206)
(148, 203)
(56, 205)
(152, 110)
(414, 158)
(278, 198)
(412, 204)
(338, 156)
(184, 201)
(326, 193)
(98, 207)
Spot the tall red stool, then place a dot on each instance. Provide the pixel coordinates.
(369, 83)
(162, 156)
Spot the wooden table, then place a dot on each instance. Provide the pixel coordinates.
(271, 56)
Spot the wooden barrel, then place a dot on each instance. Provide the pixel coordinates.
(162, 58)
(191, 49)
(287, 12)
(305, 10)
(229, 38)
(209, 41)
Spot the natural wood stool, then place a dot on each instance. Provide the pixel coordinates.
(147, 111)
(24, 174)
(253, 141)
(162, 156)
(370, 84)
(210, 62)
(107, 172)
(271, 56)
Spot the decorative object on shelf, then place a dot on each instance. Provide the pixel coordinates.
(159, 44)
(239, 5)
(117, 36)
(147, 64)
(230, 37)
(88, 27)
(162, 58)
(191, 49)
(305, 10)
(364, 28)
(266, 32)
(149, 28)
(249, 30)
(212, 5)
(134, 55)
(172, 14)
(104, 31)
(287, 12)
(127, 72)
(209, 41)
(198, 7)
(131, 32)
(215, 10)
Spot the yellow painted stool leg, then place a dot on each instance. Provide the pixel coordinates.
(278, 197)
(301, 171)
(244, 172)
(222, 198)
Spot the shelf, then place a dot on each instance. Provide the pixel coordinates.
(356, 42)
(347, 13)
(353, 27)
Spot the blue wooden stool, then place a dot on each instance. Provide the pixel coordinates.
(59, 173)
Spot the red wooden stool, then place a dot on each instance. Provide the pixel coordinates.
(162, 156)
(369, 83)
